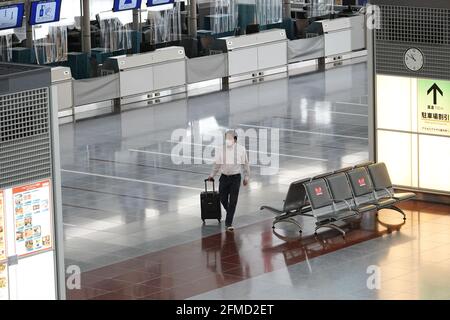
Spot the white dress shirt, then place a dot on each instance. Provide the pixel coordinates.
(230, 160)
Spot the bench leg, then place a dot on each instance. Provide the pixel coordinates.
(288, 220)
(331, 226)
(395, 208)
(390, 227)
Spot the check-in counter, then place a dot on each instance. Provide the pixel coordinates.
(358, 28)
(342, 35)
(254, 55)
(62, 91)
(337, 34)
(149, 73)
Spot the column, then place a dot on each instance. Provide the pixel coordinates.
(85, 26)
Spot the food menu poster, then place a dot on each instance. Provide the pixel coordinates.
(33, 218)
(4, 294)
(2, 229)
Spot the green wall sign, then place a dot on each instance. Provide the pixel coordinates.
(434, 107)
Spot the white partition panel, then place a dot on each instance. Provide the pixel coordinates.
(434, 163)
(394, 96)
(33, 278)
(136, 81)
(272, 55)
(242, 61)
(396, 150)
(32, 284)
(338, 42)
(169, 75)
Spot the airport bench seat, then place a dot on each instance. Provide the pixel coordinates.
(324, 209)
(383, 184)
(337, 215)
(375, 188)
(294, 205)
(342, 192)
(335, 198)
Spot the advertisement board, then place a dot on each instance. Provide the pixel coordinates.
(33, 218)
(2, 229)
(4, 290)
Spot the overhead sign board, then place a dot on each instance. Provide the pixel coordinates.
(45, 11)
(154, 3)
(122, 5)
(11, 16)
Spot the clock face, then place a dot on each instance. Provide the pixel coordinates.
(414, 59)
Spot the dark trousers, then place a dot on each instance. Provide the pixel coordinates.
(229, 192)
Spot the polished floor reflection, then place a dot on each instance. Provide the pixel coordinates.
(412, 260)
(131, 211)
(124, 197)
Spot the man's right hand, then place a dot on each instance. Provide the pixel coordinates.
(210, 178)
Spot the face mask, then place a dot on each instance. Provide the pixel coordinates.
(229, 143)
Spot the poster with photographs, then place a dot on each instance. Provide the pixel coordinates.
(2, 229)
(33, 218)
(4, 292)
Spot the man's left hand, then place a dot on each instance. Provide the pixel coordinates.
(245, 183)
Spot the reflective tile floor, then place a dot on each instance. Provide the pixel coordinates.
(131, 210)
(124, 196)
(411, 260)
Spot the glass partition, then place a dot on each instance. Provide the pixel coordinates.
(223, 16)
(269, 11)
(6, 37)
(115, 30)
(163, 23)
(318, 8)
(50, 43)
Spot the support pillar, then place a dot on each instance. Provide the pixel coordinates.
(192, 26)
(86, 26)
(28, 28)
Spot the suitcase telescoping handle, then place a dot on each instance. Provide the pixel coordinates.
(206, 186)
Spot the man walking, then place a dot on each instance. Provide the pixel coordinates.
(229, 160)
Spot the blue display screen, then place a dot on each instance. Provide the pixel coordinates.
(45, 11)
(153, 3)
(11, 16)
(122, 5)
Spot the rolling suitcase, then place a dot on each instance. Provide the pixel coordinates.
(210, 204)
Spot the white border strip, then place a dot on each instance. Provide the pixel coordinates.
(252, 151)
(132, 180)
(209, 161)
(302, 131)
(339, 112)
